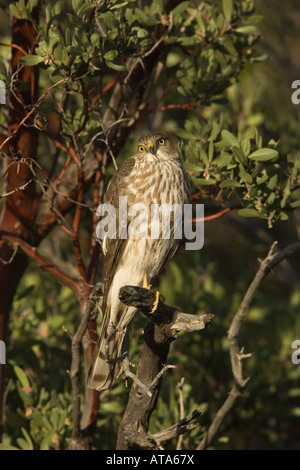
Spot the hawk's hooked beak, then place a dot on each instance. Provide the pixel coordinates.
(151, 148)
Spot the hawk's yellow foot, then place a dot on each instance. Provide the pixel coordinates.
(155, 302)
(148, 286)
(145, 283)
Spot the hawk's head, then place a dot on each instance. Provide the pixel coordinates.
(158, 146)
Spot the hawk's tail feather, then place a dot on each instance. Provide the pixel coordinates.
(101, 372)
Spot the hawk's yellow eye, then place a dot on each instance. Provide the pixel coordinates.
(141, 148)
(161, 141)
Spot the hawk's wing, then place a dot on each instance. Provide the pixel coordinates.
(114, 247)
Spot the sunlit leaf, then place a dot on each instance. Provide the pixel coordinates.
(248, 212)
(263, 155)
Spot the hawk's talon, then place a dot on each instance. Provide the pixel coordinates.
(155, 305)
(145, 283)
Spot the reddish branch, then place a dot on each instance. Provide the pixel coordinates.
(16, 46)
(154, 108)
(79, 288)
(217, 198)
(219, 214)
(116, 79)
(20, 207)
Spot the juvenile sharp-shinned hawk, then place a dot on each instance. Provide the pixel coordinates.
(155, 175)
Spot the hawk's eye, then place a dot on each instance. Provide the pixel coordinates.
(161, 141)
(141, 148)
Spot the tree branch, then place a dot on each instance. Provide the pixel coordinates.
(79, 440)
(236, 352)
(65, 279)
(165, 323)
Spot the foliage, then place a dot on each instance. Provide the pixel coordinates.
(258, 182)
(233, 154)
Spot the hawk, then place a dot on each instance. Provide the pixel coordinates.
(155, 175)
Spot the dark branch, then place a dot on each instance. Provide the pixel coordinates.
(165, 323)
(144, 299)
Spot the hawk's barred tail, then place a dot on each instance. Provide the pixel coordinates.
(101, 372)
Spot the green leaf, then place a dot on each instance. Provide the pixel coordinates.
(58, 7)
(46, 441)
(223, 160)
(246, 29)
(15, 11)
(119, 5)
(26, 443)
(8, 447)
(248, 213)
(263, 155)
(204, 181)
(295, 204)
(283, 216)
(286, 193)
(229, 139)
(73, 20)
(141, 16)
(227, 6)
(180, 8)
(173, 58)
(142, 33)
(95, 38)
(77, 4)
(229, 183)
(192, 167)
(75, 51)
(21, 376)
(23, 444)
(26, 292)
(237, 152)
(108, 19)
(32, 3)
(210, 151)
(31, 60)
(273, 182)
(244, 175)
(85, 9)
(271, 198)
(115, 66)
(185, 134)
(111, 55)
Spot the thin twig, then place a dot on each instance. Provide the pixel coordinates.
(20, 188)
(181, 410)
(34, 107)
(151, 50)
(236, 353)
(177, 429)
(77, 438)
(10, 260)
(128, 373)
(160, 374)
